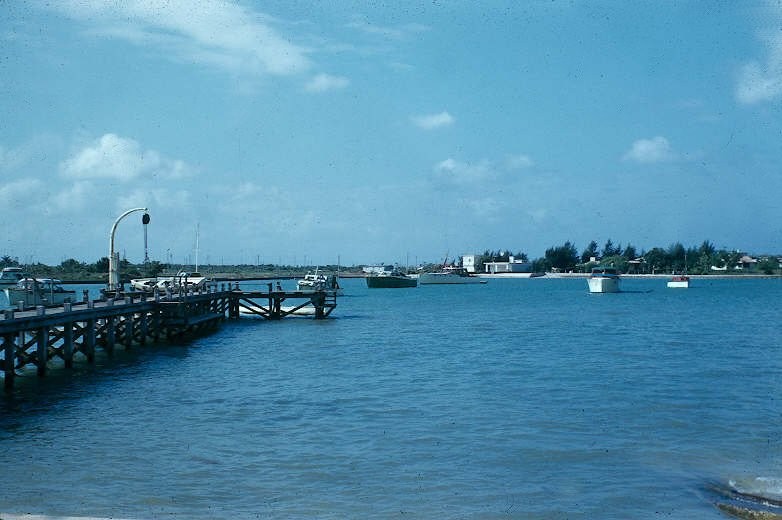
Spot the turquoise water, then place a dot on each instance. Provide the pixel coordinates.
(515, 399)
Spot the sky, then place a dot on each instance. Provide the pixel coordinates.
(315, 133)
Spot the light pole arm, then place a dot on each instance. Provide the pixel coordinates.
(114, 262)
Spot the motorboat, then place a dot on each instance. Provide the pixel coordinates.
(394, 279)
(190, 281)
(314, 282)
(184, 280)
(39, 291)
(603, 280)
(144, 284)
(679, 282)
(10, 276)
(449, 275)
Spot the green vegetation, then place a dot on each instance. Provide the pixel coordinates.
(676, 258)
(72, 270)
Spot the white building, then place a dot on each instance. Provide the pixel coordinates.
(512, 266)
(468, 262)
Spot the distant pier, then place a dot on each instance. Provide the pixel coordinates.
(31, 337)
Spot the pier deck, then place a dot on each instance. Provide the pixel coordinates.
(32, 337)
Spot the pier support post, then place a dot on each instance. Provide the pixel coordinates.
(42, 356)
(318, 301)
(9, 350)
(144, 326)
(129, 326)
(111, 334)
(67, 350)
(89, 340)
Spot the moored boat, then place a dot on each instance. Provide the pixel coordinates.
(603, 280)
(679, 282)
(313, 282)
(39, 291)
(394, 279)
(183, 280)
(449, 275)
(10, 276)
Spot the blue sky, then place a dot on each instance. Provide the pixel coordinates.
(307, 132)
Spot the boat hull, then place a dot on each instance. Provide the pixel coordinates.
(679, 284)
(603, 284)
(446, 278)
(34, 298)
(390, 282)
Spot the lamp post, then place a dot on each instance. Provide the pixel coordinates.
(114, 257)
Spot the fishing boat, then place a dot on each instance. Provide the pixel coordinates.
(394, 279)
(10, 276)
(449, 275)
(39, 291)
(681, 281)
(603, 280)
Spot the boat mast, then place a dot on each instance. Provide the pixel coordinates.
(196, 248)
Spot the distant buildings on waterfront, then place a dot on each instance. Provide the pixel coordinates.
(511, 266)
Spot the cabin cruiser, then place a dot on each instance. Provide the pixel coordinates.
(604, 280)
(393, 279)
(39, 291)
(313, 282)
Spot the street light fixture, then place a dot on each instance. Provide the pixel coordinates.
(114, 257)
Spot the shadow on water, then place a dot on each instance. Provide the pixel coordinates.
(32, 394)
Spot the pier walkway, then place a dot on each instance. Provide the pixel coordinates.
(31, 338)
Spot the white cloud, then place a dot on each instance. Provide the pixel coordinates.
(399, 32)
(35, 150)
(464, 173)
(220, 34)
(432, 121)
(158, 197)
(20, 193)
(656, 149)
(518, 162)
(762, 81)
(324, 82)
(72, 198)
(115, 157)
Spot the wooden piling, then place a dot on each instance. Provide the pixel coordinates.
(9, 354)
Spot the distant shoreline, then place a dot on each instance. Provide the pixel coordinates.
(668, 275)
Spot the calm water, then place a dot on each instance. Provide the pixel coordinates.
(516, 399)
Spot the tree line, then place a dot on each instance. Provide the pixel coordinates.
(676, 258)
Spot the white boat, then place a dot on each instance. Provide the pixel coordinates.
(313, 282)
(144, 284)
(449, 275)
(10, 276)
(603, 280)
(192, 281)
(679, 282)
(39, 291)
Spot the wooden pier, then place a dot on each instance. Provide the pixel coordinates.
(31, 338)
